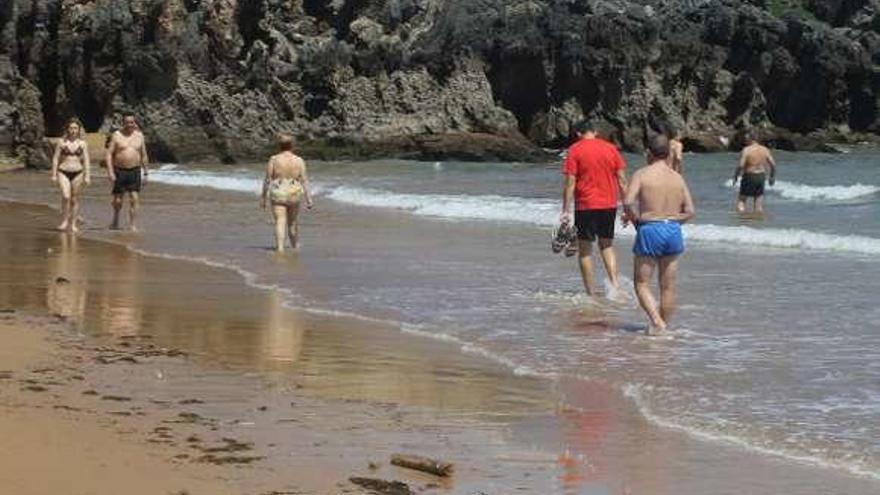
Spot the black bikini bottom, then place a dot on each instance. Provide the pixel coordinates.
(71, 175)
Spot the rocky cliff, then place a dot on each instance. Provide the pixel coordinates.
(491, 79)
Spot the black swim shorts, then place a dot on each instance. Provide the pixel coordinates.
(595, 223)
(752, 185)
(127, 180)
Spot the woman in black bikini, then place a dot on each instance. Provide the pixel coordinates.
(71, 170)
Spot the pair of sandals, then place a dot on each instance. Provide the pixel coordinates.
(564, 239)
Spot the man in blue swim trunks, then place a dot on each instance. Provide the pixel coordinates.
(664, 203)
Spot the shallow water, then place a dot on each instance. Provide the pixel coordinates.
(777, 344)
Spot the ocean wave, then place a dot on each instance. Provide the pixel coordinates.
(544, 212)
(478, 207)
(855, 465)
(171, 174)
(807, 193)
(803, 192)
(782, 238)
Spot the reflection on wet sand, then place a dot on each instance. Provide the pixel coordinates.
(119, 307)
(212, 315)
(67, 284)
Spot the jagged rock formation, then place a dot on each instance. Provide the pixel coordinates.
(492, 79)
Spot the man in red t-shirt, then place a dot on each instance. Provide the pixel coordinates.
(594, 174)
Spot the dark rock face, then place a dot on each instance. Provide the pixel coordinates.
(476, 79)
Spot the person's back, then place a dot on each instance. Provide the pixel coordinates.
(662, 193)
(756, 158)
(595, 164)
(753, 163)
(676, 151)
(287, 165)
(664, 203)
(594, 172)
(285, 184)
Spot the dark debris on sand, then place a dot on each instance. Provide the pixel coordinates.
(382, 487)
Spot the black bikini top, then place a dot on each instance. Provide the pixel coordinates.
(68, 152)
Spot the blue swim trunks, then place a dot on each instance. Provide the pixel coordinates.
(659, 238)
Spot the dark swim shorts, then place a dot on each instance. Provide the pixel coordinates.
(595, 223)
(127, 180)
(752, 185)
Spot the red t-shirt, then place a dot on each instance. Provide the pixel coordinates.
(594, 163)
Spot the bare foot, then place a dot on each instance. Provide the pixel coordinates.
(63, 227)
(133, 228)
(74, 229)
(656, 329)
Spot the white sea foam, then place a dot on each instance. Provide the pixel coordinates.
(241, 182)
(805, 192)
(638, 394)
(481, 207)
(544, 213)
(783, 238)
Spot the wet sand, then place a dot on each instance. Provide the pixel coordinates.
(301, 402)
(51, 445)
(317, 398)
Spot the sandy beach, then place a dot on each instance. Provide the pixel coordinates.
(57, 442)
(182, 368)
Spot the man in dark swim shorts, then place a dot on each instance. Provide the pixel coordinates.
(594, 173)
(753, 164)
(127, 168)
(127, 180)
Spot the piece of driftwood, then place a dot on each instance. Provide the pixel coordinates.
(419, 463)
(381, 486)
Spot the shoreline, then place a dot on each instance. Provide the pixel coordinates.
(454, 351)
(129, 366)
(479, 147)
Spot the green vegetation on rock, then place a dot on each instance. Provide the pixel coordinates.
(795, 7)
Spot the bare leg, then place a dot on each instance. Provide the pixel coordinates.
(134, 202)
(609, 259)
(280, 214)
(292, 225)
(643, 270)
(585, 249)
(65, 186)
(759, 204)
(117, 206)
(668, 277)
(741, 204)
(75, 189)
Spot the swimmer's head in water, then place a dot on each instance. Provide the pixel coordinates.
(750, 137)
(72, 129)
(285, 142)
(129, 122)
(658, 147)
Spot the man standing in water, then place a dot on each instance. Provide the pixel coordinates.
(594, 172)
(664, 203)
(753, 164)
(285, 185)
(676, 150)
(127, 162)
